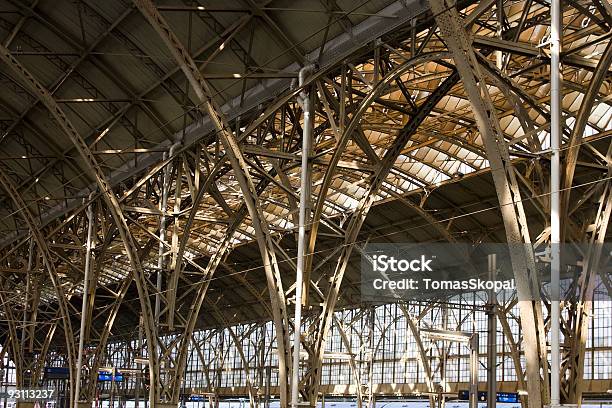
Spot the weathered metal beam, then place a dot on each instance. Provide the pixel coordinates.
(517, 233)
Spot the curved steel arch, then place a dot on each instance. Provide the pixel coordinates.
(92, 165)
(245, 182)
(194, 309)
(89, 390)
(204, 187)
(344, 138)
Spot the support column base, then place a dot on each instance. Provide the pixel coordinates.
(84, 404)
(166, 405)
(24, 404)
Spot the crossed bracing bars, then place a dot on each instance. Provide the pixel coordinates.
(252, 205)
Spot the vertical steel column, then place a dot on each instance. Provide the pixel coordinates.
(305, 101)
(492, 337)
(555, 207)
(162, 238)
(474, 371)
(77, 385)
(161, 258)
(268, 386)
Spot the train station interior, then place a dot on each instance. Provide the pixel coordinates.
(305, 203)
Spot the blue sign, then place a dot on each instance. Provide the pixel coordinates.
(106, 376)
(196, 398)
(512, 397)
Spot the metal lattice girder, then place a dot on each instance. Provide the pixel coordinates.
(239, 166)
(34, 323)
(13, 343)
(201, 287)
(459, 44)
(179, 247)
(358, 217)
(41, 243)
(203, 284)
(110, 199)
(96, 359)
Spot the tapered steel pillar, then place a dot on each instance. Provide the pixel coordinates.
(305, 181)
(89, 244)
